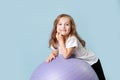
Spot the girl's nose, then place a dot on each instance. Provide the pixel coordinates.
(63, 26)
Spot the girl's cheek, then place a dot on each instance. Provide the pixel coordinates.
(58, 30)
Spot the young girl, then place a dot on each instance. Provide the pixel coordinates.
(66, 41)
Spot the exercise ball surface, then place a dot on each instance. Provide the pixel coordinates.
(64, 69)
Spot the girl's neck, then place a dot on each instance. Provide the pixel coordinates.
(65, 38)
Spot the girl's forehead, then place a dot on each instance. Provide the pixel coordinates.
(66, 19)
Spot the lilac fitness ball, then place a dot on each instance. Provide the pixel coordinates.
(64, 69)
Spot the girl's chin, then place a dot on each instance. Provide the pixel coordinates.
(63, 33)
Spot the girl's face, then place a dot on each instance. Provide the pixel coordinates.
(64, 26)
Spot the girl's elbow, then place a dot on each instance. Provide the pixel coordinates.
(66, 56)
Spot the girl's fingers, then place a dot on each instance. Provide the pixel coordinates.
(50, 58)
(58, 35)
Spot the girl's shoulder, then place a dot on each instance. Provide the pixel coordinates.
(72, 37)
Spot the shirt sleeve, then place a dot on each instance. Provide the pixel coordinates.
(52, 47)
(72, 42)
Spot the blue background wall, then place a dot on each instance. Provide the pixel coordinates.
(25, 27)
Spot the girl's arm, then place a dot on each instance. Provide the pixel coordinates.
(65, 51)
(52, 56)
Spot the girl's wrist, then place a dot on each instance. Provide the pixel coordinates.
(61, 42)
(55, 54)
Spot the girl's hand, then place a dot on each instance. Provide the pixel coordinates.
(52, 56)
(59, 37)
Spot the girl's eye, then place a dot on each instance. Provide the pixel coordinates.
(60, 24)
(67, 24)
